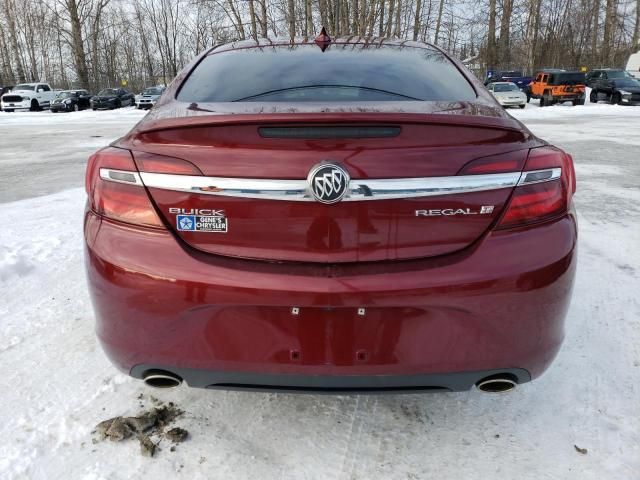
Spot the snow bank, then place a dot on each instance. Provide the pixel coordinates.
(598, 122)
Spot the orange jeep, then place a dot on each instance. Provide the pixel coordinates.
(557, 86)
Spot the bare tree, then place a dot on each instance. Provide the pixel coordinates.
(416, 21)
(609, 25)
(73, 10)
(635, 41)
(439, 22)
(505, 34)
(491, 55)
(291, 15)
(254, 23)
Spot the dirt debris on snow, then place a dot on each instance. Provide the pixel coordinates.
(582, 451)
(147, 447)
(143, 422)
(115, 429)
(177, 435)
(147, 424)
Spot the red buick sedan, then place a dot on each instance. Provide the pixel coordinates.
(350, 215)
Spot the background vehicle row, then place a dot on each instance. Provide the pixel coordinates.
(37, 96)
(551, 86)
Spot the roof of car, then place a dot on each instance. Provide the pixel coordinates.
(372, 42)
(503, 83)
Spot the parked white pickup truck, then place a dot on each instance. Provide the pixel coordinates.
(27, 96)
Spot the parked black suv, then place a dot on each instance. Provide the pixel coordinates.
(70, 100)
(593, 77)
(623, 91)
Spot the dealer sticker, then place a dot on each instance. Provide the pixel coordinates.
(201, 223)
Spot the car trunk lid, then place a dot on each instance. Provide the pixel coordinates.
(226, 211)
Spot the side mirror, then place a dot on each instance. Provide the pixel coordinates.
(40, 90)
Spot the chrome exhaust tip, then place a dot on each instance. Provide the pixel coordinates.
(496, 384)
(161, 379)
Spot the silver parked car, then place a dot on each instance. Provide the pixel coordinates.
(508, 94)
(148, 97)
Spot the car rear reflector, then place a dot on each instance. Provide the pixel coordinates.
(115, 190)
(544, 191)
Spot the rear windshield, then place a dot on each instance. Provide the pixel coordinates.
(505, 87)
(566, 78)
(341, 73)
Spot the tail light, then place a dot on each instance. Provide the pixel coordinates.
(116, 191)
(544, 190)
(115, 188)
(545, 186)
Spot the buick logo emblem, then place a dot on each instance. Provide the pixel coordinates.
(328, 182)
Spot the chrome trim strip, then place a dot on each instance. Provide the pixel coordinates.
(296, 190)
(554, 173)
(111, 175)
(359, 190)
(428, 187)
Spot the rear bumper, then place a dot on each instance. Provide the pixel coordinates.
(497, 306)
(452, 382)
(569, 98)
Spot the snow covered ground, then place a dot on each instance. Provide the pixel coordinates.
(56, 384)
(54, 148)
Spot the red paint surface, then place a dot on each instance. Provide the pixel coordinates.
(500, 305)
